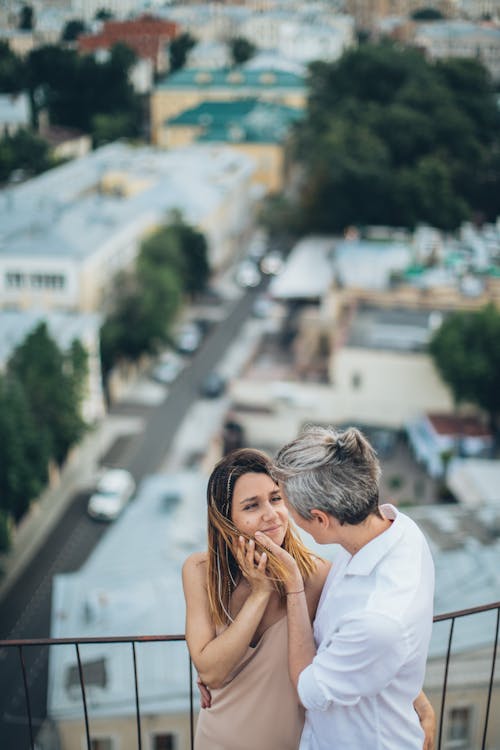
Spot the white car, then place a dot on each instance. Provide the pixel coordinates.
(272, 263)
(167, 369)
(247, 274)
(188, 338)
(114, 490)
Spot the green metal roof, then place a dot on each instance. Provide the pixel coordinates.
(231, 77)
(240, 121)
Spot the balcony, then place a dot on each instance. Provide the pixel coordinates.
(460, 683)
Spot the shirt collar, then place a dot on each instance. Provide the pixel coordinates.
(363, 562)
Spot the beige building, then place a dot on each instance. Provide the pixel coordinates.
(66, 233)
(254, 128)
(189, 87)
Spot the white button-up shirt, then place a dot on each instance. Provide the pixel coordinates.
(372, 632)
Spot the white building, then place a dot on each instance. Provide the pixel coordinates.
(434, 436)
(86, 9)
(442, 39)
(475, 482)
(14, 113)
(64, 328)
(65, 234)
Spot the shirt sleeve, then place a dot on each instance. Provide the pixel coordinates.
(359, 659)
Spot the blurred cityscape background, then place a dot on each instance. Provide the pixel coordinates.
(220, 222)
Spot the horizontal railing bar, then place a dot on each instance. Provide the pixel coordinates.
(97, 639)
(182, 637)
(465, 612)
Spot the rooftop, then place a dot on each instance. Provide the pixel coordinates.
(72, 210)
(393, 329)
(245, 120)
(237, 78)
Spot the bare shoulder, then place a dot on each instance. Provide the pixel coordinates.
(195, 565)
(314, 584)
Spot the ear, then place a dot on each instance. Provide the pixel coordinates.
(321, 518)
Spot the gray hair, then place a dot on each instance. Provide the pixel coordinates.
(334, 471)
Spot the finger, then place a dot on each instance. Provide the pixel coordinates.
(250, 552)
(262, 562)
(266, 541)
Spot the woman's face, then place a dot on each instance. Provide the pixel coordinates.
(259, 506)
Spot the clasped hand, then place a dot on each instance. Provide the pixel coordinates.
(253, 565)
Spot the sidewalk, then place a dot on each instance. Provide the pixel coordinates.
(78, 474)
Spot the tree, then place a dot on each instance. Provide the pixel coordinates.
(179, 50)
(466, 350)
(72, 30)
(24, 151)
(241, 50)
(103, 14)
(427, 14)
(52, 383)
(26, 18)
(12, 71)
(24, 452)
(78, 89)
(182, 248)
(391, 138)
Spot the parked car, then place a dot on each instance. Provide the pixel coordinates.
(272, 263)
(113, 491)
(188, 338)
(213, 385)
(247, 274)
(167, 369)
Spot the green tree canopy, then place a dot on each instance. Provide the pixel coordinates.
(23, 151)
(466, 350)
(78, 89)
(24, 451)
(172, 262)
(72, 30)
(241, 50)
(52, 381)
(12, 71)
(179, 50)
(26, 18)
(427, 14)
(392, 138)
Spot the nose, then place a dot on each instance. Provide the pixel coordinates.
(269, 512)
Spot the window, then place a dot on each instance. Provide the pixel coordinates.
(14, 280)
(356, 380)
(101, 743)
(164, 742)
(459, 727)
(47, 281)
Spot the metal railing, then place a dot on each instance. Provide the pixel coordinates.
(21, 645)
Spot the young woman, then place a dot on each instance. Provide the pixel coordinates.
(236, 627)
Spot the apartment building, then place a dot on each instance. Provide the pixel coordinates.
(65, 234)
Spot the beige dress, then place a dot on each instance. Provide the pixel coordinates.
(257, 708)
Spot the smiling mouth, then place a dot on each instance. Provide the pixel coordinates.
(271, 529)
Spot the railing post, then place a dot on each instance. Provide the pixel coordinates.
(191, 710)
(445, 682)
(27, 696)
(137, 710)
(490, 688)
(82, 687)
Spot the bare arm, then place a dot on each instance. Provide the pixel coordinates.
(427, 718)
(301, 646)
(215, 656)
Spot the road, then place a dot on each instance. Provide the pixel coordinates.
(25, 610)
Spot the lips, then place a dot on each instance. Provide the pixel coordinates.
(271, 529)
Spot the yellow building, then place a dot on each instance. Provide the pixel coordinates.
(189, 87)
(258, 129)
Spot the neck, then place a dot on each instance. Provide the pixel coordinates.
(359, 535)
